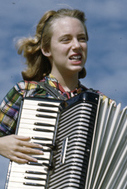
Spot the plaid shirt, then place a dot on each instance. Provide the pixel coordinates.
(10, 105)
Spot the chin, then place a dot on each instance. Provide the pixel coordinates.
(77, 69)
(74, 72)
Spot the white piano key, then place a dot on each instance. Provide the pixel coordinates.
(20, 185)
(32, 126)
(38, 130)
(22, 170)
(24, 174)
(27, 178)
(27, 112)
(29, 168)
(35, 134)
(13, 186)
(33, 121)
(41, 141)
(40, 124)
(35, 118)
(23, 180)
(36, 106)
(36, 102)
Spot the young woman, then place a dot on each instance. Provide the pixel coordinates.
(57, 55)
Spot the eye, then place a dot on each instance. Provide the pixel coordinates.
(65, 39)
(82, 38)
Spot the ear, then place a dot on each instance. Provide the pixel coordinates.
(46, 53)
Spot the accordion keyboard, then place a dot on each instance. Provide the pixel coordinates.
(38, 120)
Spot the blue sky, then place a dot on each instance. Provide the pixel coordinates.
(107, 47)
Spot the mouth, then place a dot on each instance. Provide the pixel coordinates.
(75, 57)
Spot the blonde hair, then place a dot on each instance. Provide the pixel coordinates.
(39, 65)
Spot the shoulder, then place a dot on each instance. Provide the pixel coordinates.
(103, 96)
(84, 88)
(20, 87)
(24, 86)
(14, 95)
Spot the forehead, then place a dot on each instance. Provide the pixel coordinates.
(67, 25)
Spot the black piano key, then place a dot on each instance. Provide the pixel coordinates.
(44, 124)
(49, 166)
(35, 172)
(45, 116)
(53, 147)
(34, 163)
(43, 130)
(47, 105)
(34, 178)
(33, 184)
(42, 138)
(45, 110)
(46, 150)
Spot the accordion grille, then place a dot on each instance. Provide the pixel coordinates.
(73, 143)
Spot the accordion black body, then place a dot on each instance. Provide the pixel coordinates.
(84, 144)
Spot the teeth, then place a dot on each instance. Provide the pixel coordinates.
(75, 57)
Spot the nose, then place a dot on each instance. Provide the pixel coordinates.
(75, 44)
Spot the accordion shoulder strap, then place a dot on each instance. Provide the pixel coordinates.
(53, 91)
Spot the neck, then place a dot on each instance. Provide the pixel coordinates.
(68, 83)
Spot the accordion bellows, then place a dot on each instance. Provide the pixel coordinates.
(84, 143)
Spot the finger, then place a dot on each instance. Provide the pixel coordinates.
(24, 138)
(26, 157)
(30, 144)
(18, 159)
(27, 150)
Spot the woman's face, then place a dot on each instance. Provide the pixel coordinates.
(68, 47)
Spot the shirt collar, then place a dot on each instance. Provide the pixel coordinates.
(51, 80)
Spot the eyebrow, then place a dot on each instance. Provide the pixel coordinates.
(68, 35)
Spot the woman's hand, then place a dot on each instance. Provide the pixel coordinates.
(19, 148)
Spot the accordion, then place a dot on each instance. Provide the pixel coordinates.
(84, 142)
